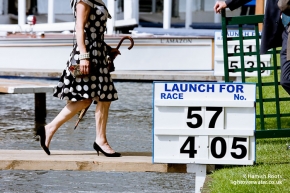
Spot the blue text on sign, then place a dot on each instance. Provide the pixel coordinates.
(189, 88)
(230, 88)
(171, 95)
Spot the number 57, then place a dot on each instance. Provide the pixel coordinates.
(191, 115)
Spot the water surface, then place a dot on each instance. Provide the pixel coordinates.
(129, 129)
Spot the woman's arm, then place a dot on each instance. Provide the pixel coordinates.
(82, 15)
(231, 4)
(234, 4)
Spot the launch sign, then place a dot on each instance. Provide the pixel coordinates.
(205, 123)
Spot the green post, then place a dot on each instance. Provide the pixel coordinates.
(254, 20)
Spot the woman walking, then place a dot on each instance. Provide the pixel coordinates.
(95, 83)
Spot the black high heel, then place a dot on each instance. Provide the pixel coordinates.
(41, 133)
(98, 148)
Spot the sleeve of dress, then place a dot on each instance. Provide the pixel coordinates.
(234, 4)
(88, 2)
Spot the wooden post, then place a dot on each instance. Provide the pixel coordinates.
(40, 107)
(260, 7)
(200, 175)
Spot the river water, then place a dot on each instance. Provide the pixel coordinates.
(129, 129)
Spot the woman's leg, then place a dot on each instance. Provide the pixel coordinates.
(101, 115)
(65, 114)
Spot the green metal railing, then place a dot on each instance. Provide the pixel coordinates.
(262, 115)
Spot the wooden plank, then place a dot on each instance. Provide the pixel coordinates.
(10, 86)
(260, 5)
(40, 107)
(83, 161)
(21, 82)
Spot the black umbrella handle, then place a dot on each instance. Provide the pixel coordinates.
(121, 41)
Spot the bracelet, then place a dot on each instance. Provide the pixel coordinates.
(84, 56)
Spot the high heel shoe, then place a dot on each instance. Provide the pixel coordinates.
(41, 133)
(98, 148)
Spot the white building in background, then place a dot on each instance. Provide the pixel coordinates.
(145, 5)
(126, 13)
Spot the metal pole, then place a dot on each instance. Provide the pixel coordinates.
(5, 7)
(188, 18)
(128, 9)
(136, 10)
(50, 14)
(21, 12)
(111, 22)
(167, 8)
(153, 6)
(202, 5)
(1, 7)
(175, 8)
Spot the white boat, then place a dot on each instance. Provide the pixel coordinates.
(47, 55)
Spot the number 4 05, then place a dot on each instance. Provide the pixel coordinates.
(191, 151)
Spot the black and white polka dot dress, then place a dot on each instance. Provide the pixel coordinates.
(99, 83)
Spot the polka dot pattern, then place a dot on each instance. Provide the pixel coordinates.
(99, 83)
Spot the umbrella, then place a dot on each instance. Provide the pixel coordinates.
(83, 111)
(126, 37)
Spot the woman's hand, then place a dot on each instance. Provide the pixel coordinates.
(219, 6)
(85, 67)
(114, 53)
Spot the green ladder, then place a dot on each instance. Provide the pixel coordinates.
(262, 130)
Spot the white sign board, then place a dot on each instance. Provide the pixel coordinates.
(204, 123)
(234, 61)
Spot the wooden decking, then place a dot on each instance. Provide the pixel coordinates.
(123, 75)
(82, 161)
